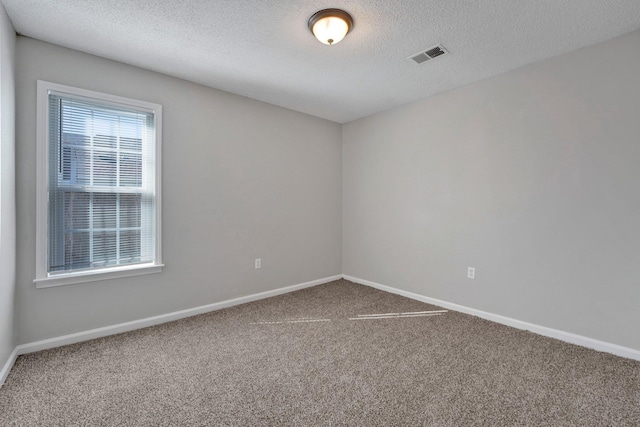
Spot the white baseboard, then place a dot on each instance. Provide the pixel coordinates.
(163, 318)
(580, 340)
(4, 373)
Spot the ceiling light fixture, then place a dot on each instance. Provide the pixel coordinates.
(330, 25)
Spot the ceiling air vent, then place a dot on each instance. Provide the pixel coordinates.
(428, 54)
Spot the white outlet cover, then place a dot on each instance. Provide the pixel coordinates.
(471, 272)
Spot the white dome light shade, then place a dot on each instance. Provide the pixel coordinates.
(330, 30)
(330, 26)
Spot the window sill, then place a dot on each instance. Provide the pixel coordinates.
(94, 276)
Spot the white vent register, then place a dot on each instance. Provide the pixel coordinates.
(428, 54)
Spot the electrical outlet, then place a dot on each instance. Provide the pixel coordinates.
(471, 272)
(258, 263)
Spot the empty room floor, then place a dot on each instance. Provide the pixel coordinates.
(335, 354)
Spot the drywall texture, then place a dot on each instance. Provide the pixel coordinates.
(241, 180)
(531, 177)
(7, 187)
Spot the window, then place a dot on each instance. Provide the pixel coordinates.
(98, 186)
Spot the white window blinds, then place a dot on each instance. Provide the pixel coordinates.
(101, 185)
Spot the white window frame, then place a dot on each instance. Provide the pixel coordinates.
(43, 278)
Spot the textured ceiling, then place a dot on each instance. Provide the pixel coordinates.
(263, 49)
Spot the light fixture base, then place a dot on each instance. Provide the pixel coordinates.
(327, 14)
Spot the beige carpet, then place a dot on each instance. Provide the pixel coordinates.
(329, 355)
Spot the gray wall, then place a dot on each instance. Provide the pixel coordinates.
(7, 187)
(532, 177)
(241, 180)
